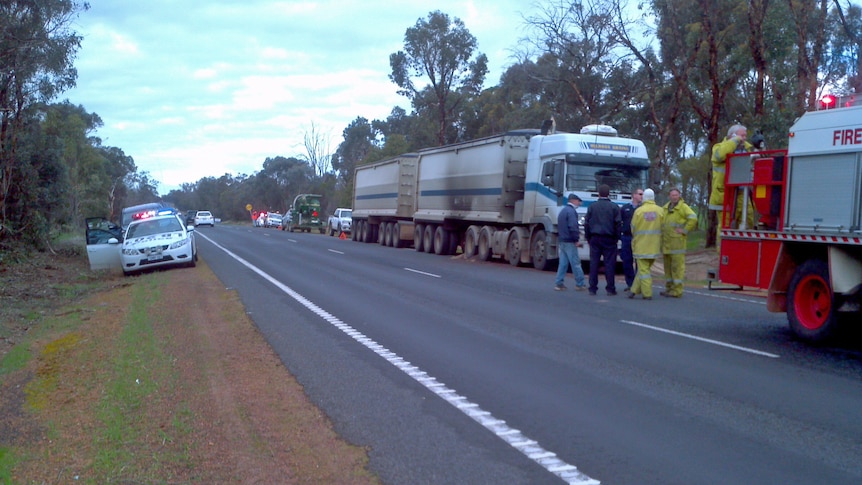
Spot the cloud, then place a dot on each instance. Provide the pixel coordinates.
(197, 89)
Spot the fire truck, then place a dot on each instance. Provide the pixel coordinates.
(806, 246)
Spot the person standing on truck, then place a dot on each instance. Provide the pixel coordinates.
(569, 235)
(735, 142)
(679, 220)
(602, 228)
(626, 213)
(646, 243)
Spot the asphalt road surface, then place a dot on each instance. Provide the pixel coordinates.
(454, 371)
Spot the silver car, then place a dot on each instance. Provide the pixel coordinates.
(162, 240)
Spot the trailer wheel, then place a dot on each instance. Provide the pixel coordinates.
(385, 234)
(513, 249)
(419, 237)
(441, 241)
(539, 251)
(428, 238)
(453, 242)
(811, 303)
(396, 235)
(484, 250)
(471, 240)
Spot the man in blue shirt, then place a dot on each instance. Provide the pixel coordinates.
(569, 239)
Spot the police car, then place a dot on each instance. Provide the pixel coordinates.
(159, 240)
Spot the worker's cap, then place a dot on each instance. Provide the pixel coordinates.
(649, 194)
(574, 196)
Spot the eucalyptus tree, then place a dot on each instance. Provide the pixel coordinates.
(577, 52)
(846, 47)
(118, 166)
(413, 132)
(440, 50)
(521, 100)
(317, 149)
(358, 140)
(37, 49)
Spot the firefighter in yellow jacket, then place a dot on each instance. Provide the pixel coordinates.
(646, 243)
(679, 220)
(734, 143)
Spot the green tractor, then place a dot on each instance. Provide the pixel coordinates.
(304, 214)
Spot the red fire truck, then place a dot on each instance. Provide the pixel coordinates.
(806, 247)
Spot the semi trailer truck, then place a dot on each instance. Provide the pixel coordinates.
(494, 197)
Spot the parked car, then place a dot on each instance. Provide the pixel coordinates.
(273, 219)
(340, 221)
(204, 218)
(158, 241)
(190, 217)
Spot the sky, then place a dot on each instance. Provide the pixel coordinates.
(204, 88)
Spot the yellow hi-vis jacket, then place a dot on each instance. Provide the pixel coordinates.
(720, 151)
(646, 230)
(678, 217)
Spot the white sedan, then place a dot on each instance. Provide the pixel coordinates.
(162, 240)
(204, 218)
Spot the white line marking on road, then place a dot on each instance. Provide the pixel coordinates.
(422, 272)
(335, 251)
(548, 460)
(725, 297)
(702, 339)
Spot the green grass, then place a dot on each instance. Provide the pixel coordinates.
(8, 460)
(15, 359)
(696, 240)
(135, 375)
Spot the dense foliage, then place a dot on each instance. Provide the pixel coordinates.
(675, 73)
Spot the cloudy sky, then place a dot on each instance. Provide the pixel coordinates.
(206, 87)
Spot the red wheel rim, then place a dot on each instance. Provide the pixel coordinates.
(812, 302)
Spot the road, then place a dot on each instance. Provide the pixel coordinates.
(454, 371)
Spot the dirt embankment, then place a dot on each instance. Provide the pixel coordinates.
(226, 411)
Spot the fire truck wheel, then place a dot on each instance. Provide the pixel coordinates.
(811, 303)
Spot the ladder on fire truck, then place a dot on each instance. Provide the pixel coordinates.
(753, 194)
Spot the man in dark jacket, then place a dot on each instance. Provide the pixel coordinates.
(569, 237)
(602, 227)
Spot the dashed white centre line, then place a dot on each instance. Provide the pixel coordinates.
(335, 251)
(702, 339)
(423, 273)
(513, 437)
